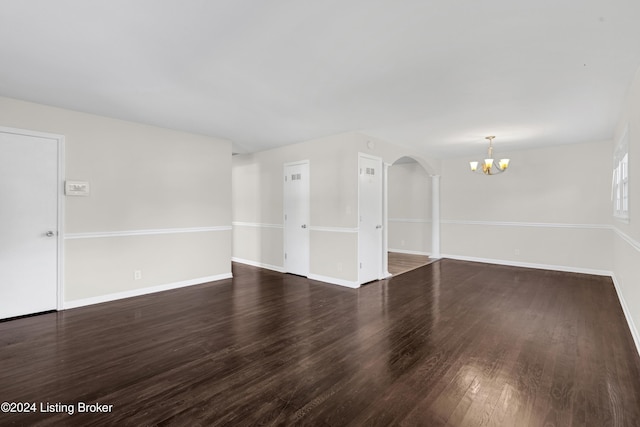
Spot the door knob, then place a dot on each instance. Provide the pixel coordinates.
(378, 226)
(49, 233)
(304, 225)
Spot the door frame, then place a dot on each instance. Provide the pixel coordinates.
(381, 266)
(284, 228)
(60, 201)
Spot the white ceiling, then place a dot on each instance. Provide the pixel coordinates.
(439, 75)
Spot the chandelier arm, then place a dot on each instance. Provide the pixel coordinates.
(495, 170)
(498, 170)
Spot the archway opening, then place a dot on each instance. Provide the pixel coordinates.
(409, 216)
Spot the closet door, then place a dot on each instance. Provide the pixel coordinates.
(370, 218)
(296, 218)
(28, 224)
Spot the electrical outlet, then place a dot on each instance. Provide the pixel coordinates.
(137, 274)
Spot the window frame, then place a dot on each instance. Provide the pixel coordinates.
(620, 180)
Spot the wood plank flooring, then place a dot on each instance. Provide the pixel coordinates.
(399, 263)
(453, 343)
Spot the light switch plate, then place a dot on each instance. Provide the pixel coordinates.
(76, 188)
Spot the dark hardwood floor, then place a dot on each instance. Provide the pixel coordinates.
(399, 263)
(452, 343)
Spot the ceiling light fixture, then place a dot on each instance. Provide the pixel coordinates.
(488, 166)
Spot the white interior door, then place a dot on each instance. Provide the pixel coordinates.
(370, 211)
(296, 218)
(28, 224)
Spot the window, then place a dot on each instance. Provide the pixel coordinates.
(620, 181)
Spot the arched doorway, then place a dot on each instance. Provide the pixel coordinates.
(410, 202)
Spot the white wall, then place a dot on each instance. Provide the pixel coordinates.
(258, 206)
(257, 202)
(626, 236)
(409, 188)
(551, 208)
(160, 202)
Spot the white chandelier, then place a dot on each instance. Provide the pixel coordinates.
(489, 167)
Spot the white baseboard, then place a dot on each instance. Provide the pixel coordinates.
(143, 291)
(627, 313)
(326, 279)
(334, 281)
(258, 264)
(403, 251)
(530, 265)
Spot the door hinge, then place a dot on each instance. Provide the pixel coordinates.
(360, 265)
(285, 255)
